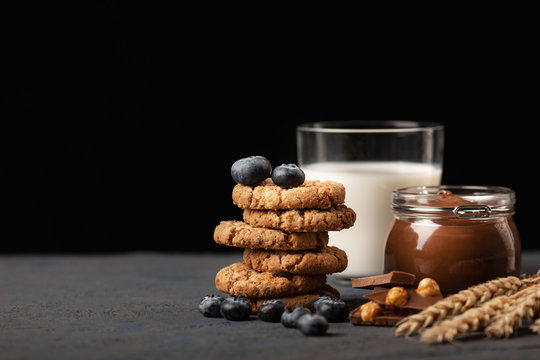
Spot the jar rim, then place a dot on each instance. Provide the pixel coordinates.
(455, 200)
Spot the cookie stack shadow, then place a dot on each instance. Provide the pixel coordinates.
(285, 239)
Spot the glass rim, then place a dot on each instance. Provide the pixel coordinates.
(369, 126)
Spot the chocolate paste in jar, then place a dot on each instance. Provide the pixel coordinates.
(459, 240)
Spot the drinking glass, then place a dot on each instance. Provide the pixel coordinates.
(371, 159)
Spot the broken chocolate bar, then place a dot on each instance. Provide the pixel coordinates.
(381, 320)
(415, 301)
(393, 278)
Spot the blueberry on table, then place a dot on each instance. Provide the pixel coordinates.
(290, 317)
(288, 175)
(271, 310)
(312, 324)
(318, 300)
(251, 170)
(210, 306)
(334, 310)
(235, 308)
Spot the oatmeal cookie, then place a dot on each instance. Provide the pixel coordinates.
(268, 196)
(239, 234)
(297, 300)
(325, 261)
(241, 280)
(336, 218)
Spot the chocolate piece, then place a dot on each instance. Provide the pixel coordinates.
(415, 302)
(355, 318)
(388, 320)
(381, 320)
(390, 279)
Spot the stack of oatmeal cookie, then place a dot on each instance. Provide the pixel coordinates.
(285, 237)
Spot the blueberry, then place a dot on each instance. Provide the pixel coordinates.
(271, 310)
(235, 308)
(288, 175)
(251, 170)
(318, 300)
(334, 310)
(312, 324)
(210, 306)
(290, 317)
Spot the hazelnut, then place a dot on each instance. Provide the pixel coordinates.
(369, 311)
(397, 296)
(428, 287)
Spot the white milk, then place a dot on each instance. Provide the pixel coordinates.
(368, 191)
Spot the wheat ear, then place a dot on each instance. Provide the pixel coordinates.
(459, 302)
(510, 319)
(535, 326)
(471, 320)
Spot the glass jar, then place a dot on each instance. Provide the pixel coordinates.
(458, 235)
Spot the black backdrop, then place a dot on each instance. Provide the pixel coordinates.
(119, 134)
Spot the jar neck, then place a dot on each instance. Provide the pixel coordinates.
(482, 214)
(454, 201)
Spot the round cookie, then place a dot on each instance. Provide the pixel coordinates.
(240, 234)
(241, 280)
(336, 218)
(297, 300)
(268, 196)
(325, 261)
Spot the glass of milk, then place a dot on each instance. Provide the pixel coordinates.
(370, 158)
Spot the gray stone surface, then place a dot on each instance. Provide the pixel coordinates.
(144, 306)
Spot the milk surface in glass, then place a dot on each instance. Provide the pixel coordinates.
(368, 189)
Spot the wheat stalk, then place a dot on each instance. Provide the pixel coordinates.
(531, 279)
(460, 302)
(535, 326)
(471, 320)
(510, 319)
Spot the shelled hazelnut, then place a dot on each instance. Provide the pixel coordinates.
(428, 287)
(369, 311)
(397, 296)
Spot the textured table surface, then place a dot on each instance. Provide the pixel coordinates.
(144, 306)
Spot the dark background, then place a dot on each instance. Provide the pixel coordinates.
(119, 124)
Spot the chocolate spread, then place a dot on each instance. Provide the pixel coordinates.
(455, 252)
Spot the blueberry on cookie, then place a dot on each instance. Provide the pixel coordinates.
(288, 175)
(251, 170)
